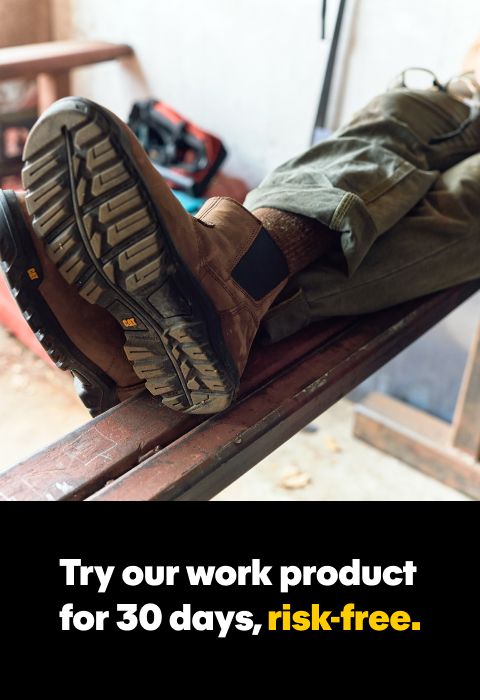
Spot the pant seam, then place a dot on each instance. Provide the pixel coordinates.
(342, 210)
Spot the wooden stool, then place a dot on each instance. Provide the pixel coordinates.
(51, 63)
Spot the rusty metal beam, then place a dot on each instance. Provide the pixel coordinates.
(284, 387)
(208, 458)
(106, 447)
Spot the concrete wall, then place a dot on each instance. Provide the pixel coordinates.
(251, 70)
(24, 22)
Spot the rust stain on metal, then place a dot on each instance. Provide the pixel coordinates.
(298, 376)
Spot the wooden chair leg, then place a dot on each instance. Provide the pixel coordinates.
(448, 452)
(466, 421)
(51, 87)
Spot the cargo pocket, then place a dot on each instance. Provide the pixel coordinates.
(364, 215)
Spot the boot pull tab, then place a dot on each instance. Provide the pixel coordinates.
(202, 214)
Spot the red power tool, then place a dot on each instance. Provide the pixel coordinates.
(184, 154)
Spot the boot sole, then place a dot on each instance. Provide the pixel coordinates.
(100, 225)
(24, 273)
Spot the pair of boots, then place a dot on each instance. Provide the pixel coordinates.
(120, 284)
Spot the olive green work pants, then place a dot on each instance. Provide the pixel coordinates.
(407, 211)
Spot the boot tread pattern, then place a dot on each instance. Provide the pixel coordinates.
(98, 224)
(95, 389)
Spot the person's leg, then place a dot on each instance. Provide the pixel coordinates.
(435, 246)
(190, 292)
(78, 336)
(369, 174)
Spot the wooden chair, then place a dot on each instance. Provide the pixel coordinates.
(51, 64)
(448, 452)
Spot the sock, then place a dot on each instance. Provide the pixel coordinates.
(301, 239)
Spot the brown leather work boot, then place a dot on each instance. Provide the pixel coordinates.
(189, 292)
(78, 336)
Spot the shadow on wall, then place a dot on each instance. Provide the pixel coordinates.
(429, 372)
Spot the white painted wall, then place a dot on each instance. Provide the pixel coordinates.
(389, 35)
(250, 70)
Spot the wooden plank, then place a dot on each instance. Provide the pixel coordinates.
(55, 56)
(208, 458)
(466, 421)
(84, 460)
(420, 440)
(52, 87)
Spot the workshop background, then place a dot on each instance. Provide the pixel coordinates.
(251, 71)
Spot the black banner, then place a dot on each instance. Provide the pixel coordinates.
(295, 574)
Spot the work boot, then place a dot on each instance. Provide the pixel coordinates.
(189, 292)
(78, 336)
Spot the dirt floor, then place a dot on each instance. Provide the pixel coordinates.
(323, 462)
(37, 404)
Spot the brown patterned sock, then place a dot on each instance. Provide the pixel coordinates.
(301, 239)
